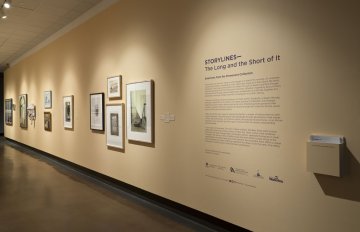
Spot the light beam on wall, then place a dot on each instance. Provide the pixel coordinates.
(2, 14)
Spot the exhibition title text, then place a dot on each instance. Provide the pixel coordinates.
(217, 63)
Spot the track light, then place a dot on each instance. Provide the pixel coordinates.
(7, 4)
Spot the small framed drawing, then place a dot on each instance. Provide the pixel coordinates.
(68, 104)
(97, 111)
(114, 126)
(114, 87)
(8, 112)
(47, 100)
(47, 121)
(23, 110)
(139, 109)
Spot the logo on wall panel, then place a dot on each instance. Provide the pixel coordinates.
(276, 179)
(231, 181)
(240, 183)
(215, 166)
(258, 175)
(238, 171)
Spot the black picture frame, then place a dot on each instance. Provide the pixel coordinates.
(47, 121)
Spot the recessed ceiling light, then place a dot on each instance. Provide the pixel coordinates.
(7, 4)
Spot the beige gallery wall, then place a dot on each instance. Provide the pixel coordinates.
(168, 41)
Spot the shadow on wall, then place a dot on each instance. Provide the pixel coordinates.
(348, 186)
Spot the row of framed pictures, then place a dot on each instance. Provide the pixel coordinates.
(114, 91)
(23, 108)
(139, 122)
(23, 111)
(139, 110)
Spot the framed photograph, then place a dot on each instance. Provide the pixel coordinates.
(47, 121)
(140, 111)
(114, 87)
(23, 111)
(47, 100)
(8, 112)
(68, 104)
(97, 111)
(114, 126)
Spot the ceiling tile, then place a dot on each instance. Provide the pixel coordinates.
(30, 22)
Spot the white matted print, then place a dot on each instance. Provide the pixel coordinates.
(47, 100)
(97, 111)
(114, 87)
(114, 126)
(68, 105)
(140, 111)
(23, 110)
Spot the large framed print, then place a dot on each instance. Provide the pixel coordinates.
(97, 111)
(114, 87)
(23, 110)
(140, 111)
(47, 99)
(68, 105)
(114, 126)
(8, 112)
(47, 121)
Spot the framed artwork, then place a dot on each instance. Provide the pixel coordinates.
(47, 100)
(23, 110)
(140, 111)
(114, 126)
(8, 112)
(47, 121)
(97, 111)
(68, 104)
(114, 87)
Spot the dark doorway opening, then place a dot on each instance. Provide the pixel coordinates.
(2, 104)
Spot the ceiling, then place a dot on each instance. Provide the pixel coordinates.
(30, 22)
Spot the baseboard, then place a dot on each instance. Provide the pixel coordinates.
(185, 211)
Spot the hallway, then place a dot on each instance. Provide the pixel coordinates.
(39, 194)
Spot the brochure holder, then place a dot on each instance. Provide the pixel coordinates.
(324, 154)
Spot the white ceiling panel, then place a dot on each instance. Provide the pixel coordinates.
(65, 4)
(27, 4)
(51, 10)
(30, 22)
